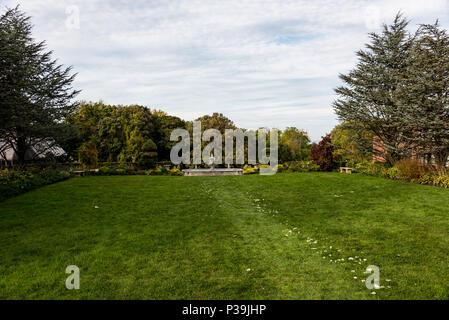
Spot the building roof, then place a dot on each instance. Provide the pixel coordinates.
(39, 150)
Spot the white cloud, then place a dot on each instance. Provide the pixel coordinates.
(262, 63)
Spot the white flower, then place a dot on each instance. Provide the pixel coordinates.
(355, 277)
(352, 270)
(248, 270)
(374, 292)
(96, 207)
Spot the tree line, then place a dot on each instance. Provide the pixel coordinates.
(140, 135)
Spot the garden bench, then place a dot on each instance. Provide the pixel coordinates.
(345, 170)
(79, 173)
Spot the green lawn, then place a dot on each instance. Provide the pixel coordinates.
(250, 237)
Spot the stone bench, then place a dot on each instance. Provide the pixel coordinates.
(345, 170)
(79, 173)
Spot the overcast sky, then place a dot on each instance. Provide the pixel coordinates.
(260, 63)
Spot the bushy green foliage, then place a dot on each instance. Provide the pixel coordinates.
(104, 170)
(391, 173)
(294, 145)
(154, 172)
(88, 154)
(159, 171)
(301, 166)
(13, 183)
(120, 171)
(280, 168)
(407, 170)
(369, 168)
(121, 133)
(351, 146)
(148, 156)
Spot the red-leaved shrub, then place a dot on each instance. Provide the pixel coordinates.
(411, 169)
(322, 154)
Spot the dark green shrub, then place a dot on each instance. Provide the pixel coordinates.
(369, 168)
(13, 183)
(154, 172)
(302, 166)
(104, 170)
(88, 154)
(120, 171)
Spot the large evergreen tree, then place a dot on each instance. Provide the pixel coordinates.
(370, 100)
(35, 92)
(426, 92)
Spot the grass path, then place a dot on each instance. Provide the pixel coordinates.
(288, 236)
(281, 262)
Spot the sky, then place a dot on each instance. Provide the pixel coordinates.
(261, 63)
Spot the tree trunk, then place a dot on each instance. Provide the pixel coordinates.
(21, 151)
(441, 159)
